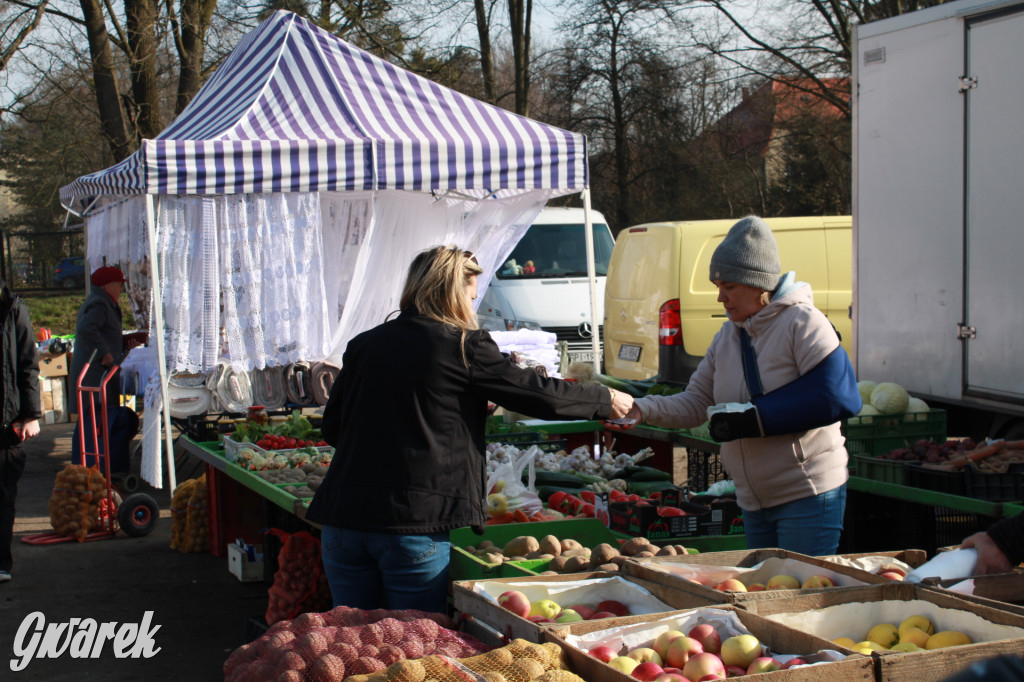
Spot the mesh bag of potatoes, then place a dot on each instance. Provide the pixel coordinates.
(74, 503)
(383, 645)
(300, 584)
(197, 520)
(179, 512)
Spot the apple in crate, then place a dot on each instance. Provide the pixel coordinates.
(793, 662)
(603, 653)
(613, 606)
(516, 602)
(624, 664)
(819, 581)
(763, 664)
(702, 665)
(756, 587)
(546, 608)
(662, 641)
(735, 671)
(708, 637)
(892, 575)
(681, 650)
(671, 677)
(539, 619)
(731, 585)
(583, 610)
(783, 582)
(648, 671)
(740, 650)
(644, 654)
(598, 615)
(568, 616)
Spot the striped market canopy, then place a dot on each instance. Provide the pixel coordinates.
(296, 109)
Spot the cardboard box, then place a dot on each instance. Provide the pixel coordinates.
(578, 638)
(54, 365)
(478, 598)
(851, 613)
(53, 399)
(698, 573)
(242, 567)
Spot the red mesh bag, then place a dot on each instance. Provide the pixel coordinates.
(300, 584)
(346, 641)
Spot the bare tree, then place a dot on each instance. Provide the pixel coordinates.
(18, 21)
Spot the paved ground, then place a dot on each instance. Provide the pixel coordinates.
(200, 608)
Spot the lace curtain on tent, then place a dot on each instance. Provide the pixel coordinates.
(272, 280)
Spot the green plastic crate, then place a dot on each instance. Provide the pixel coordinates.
(876, 469)
(465, 566)
(881, 434)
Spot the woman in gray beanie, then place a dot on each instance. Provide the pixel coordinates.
(774, 384)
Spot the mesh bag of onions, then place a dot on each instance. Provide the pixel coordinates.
(179, 512)
(74, 502)
(383, 645)
(197, 520)
(300, 584)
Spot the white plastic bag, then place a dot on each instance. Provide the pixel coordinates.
(506, 489)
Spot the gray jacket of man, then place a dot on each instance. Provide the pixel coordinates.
(98, 328)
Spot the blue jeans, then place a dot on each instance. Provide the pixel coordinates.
(809, 526)
(385, 570)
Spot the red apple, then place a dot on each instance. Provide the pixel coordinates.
(763, 664)
(671, 677)
(793, 662)
(681, 650)
(647, 671)
(598, 615)
(702, 665)
(756, 587)
(539, 619)
(603, 653)
(892, 575)
(583, 610)
(662, 641)
(711, 676)
(735, 671)
(707, 636)
(516, 602)
(731, 585)
(612, 606)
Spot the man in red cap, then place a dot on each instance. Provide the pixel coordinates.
(99, 328)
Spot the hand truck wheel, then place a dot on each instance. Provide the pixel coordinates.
(137, 514)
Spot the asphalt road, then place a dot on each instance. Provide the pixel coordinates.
(198, 609)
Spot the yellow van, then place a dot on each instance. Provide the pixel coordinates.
(661, 310)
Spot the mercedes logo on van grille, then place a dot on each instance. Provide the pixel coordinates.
(585, 330)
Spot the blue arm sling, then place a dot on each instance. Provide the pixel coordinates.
(822, 396)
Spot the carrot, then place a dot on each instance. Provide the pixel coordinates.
(519, 516)
(977, 454)
(538, 517)
(504, 518)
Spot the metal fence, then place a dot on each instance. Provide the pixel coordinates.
(43, 260)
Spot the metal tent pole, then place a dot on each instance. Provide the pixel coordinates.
(158, 326)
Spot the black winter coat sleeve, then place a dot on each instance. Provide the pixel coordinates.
(1008, 534)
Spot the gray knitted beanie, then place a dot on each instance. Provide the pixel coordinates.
(748, 255)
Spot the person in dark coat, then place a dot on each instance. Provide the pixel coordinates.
(99, 328)
(1000, 548)
(21, 411)
(406, 416)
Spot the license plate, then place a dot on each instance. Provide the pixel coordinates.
(581, 356)
(629, 352)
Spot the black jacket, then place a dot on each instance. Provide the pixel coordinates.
(98, 328)
(21, 363)
(407, 419)
(1008, 534)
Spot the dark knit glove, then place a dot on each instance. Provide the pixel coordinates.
(726, 426)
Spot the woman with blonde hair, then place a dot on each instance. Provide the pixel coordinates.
(406, 416)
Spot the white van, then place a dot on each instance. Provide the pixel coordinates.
(544, 280)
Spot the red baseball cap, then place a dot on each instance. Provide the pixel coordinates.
(107, 275)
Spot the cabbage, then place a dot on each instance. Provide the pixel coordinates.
(889, 398)
(864, 416)
(864, 388)
(917, 410)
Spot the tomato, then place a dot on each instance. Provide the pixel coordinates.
(289, 443)
(321, 443)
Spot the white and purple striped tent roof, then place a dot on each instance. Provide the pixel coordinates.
(296, 109)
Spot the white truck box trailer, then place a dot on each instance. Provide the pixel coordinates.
(938, 209)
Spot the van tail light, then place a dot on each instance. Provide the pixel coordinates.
(670, 330)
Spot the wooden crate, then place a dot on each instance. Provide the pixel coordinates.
(871, 561)
(681, 572)
(999, 590)
(851, 613)
(577, 638)
(478, 598)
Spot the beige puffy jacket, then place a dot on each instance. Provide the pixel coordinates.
(790, 337)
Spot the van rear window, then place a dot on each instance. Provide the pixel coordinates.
(548, 251)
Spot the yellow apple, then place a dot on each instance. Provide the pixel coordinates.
(818, 581)
(624, 664)
(917, 622)
(905, 647)
(740, 650)
(783, 582)
(946, 638)
(497, 504)
(884, 634)
(915, 636)
(545, 608)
